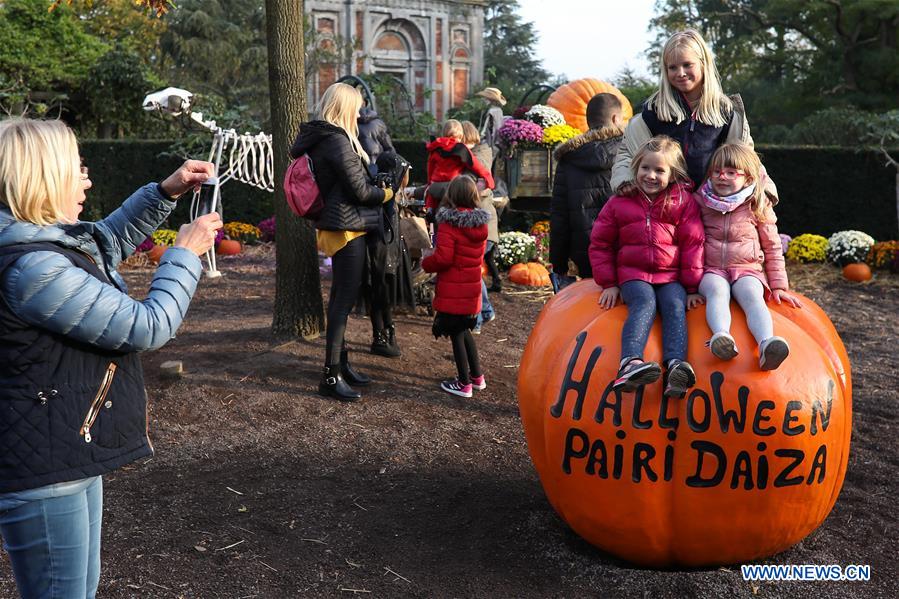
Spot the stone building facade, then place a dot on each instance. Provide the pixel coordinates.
(434, 45)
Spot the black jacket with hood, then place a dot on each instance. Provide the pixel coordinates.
(352, 202)
(580, 189)
(373, 134)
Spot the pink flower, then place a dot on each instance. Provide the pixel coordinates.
(516, 131)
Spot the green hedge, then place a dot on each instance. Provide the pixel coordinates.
(822, 190)
(118, 168)
(825, 190)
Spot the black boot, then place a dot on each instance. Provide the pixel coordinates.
(350, 374)
(380, 345)
(391, 340)
(333, 385)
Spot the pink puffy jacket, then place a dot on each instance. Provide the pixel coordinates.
(633, 239)
(737, 244)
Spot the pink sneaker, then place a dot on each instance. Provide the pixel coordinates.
(455, 387)
(479, 382)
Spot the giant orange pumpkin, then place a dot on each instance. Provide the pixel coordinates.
(530, 273)
(571, 100)
(745, 466)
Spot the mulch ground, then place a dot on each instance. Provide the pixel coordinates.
(261, 488)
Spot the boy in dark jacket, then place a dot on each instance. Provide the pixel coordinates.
(581, 186)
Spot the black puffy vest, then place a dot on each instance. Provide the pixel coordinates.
(698, 140)
(67, 410)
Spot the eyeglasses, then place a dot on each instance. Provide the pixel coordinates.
(728, 173)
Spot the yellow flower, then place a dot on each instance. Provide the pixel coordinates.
(164, 237)
(242, 232)
(808, 248)
(557, 134)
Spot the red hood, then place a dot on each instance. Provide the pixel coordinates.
(442, 143)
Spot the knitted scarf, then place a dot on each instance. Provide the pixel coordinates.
(725, 203)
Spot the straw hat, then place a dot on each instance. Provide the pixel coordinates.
(492, 94)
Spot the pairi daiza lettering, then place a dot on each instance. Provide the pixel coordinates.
(780, 467)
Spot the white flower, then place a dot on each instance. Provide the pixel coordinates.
(545, 116)
(846, 247)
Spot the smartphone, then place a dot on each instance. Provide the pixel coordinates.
(209, 196)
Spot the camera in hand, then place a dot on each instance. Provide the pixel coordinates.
(208, 201)
(392, 170)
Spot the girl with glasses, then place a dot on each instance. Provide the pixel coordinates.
(743, 254)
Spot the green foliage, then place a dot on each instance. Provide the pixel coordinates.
(45, 51)
(396, 108)
(118, 83)
(118, 168)
(218, 47)
(509, 46)
(825, 190)
(472, 109)
(635, 88)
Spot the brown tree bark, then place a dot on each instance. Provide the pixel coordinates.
(298, 300)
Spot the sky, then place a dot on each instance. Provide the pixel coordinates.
(590, 38)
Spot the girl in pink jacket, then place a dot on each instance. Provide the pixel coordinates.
(647, 248)
(743, 254)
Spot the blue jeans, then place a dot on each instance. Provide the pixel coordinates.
(52, 536)
(643, 300)
(487, 310)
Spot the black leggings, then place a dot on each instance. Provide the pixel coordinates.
(465, 353)
(347, 266)
(490, 259)
(381, 314)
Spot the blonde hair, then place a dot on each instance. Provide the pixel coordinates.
(742, 157)
(470, 133)
(671, 153)
(714, 106)
(340, 105)
(453, 128)
(39, 169)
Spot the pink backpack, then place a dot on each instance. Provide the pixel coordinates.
(303, 195)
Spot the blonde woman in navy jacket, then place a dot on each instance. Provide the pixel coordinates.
(72, 399)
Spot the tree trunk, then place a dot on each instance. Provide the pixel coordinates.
(298, 297)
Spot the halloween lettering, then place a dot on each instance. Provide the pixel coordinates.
(706, 410)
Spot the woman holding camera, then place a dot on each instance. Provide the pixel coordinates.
(72, 399)
(352, 209)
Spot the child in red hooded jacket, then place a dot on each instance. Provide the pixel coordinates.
(647, 248)
(448, 158)
(457, 258)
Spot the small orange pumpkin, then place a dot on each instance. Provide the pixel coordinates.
(857, 271)
(571, 100)
(155, 253)
(696, 481)
(531, 274)
(228, 247)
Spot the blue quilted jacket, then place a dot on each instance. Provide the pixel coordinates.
(46, 290)
(72, 402)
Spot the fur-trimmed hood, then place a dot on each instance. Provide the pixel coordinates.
(463, 218)
(589, 150)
